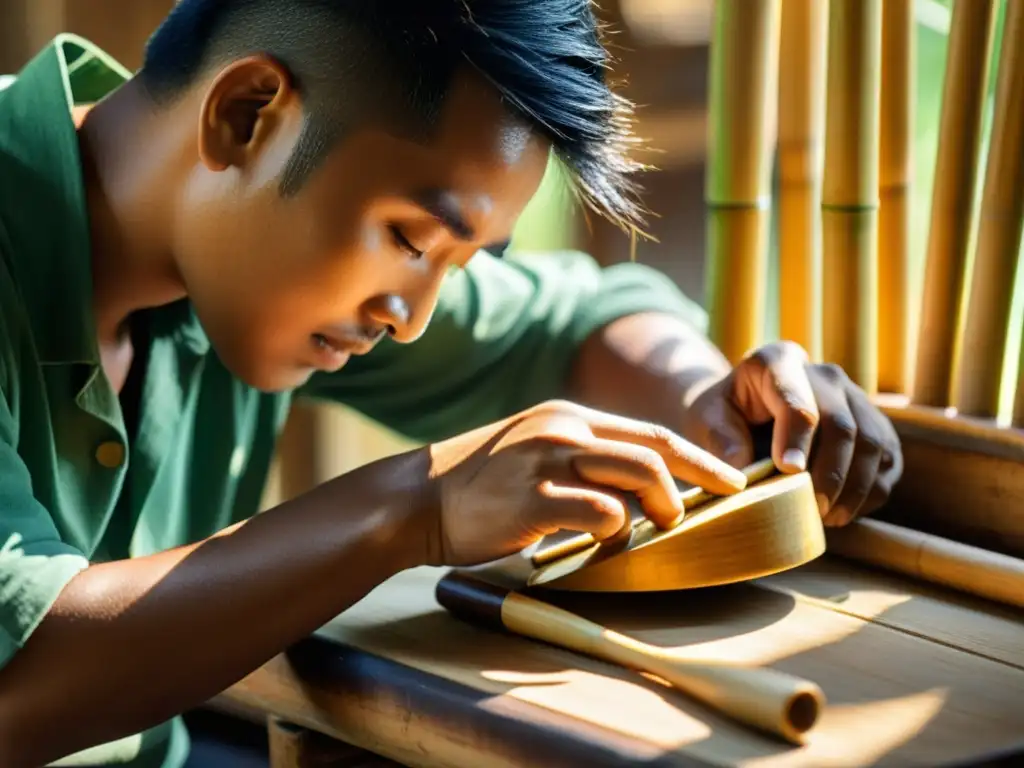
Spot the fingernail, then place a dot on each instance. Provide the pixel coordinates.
(822, 504)
(794, 459)
(840, 516)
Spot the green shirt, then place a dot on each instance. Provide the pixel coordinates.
(71, 491)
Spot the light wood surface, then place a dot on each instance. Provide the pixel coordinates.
(972, 30)
(640, 530)
(801, 146)
(912, 675)
(768, 527)
(979, 372)
(850, 190)
(742, 93)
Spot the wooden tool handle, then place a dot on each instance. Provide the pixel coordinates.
(763, 698)
(641, 531)
(969, 569)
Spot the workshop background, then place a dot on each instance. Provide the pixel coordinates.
(662, 47)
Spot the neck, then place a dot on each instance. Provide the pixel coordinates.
(128, 154)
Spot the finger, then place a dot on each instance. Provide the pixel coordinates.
(578, 507)
(837, 434)
(684, 459)
(721, 430)
(876, 439)
(778, 384)
(634, 469)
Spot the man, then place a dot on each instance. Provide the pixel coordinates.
(283, 185)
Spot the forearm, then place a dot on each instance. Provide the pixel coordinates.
(646, 366)
(130, 643)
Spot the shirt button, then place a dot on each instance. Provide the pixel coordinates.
(110, 455)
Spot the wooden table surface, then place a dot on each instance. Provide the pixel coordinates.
(914, 676)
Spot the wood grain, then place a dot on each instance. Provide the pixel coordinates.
(895, 697)
(765, 528)
(979, 463)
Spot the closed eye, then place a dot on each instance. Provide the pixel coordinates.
(402, 242)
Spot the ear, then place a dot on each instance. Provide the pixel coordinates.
(243, 106)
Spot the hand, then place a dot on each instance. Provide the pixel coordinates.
(557, 466)
(856, 458)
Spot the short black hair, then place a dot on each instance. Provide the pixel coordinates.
(393, 60)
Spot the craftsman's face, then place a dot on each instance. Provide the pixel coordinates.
(287, 285)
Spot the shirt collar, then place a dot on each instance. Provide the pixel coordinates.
(44, 228)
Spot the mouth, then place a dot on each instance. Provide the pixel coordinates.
(333, 351)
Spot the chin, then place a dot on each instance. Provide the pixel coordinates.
(271, 379)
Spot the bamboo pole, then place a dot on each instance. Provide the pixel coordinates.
(741, 139)
(801, 120)
(952, 209)
(764, 698)
(850, 190)
(972, 570)
(895, 179)
(980, 371)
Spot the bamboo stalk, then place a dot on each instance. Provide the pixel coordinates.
(741, 138)
(801, 121)
(952, 208)
(850, 190)
(979, 373)
(895, 178)
(761, 697)
(971, 570)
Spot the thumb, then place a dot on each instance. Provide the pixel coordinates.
(773, 382)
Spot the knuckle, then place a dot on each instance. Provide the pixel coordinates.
(556, 407)
(831, 482)
(831, 372)
(870, 442)
(764, 356)
(841, 426)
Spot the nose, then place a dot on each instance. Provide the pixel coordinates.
(405, 319)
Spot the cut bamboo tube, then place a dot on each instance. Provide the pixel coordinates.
(895, 179)
(850, 190)
(971, 570)
(760, 697)
(972, 30)
(980, 369)
(801, 121)
(741, 141)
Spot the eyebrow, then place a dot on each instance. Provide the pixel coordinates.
(443, 206)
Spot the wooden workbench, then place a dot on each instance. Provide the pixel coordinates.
(914, 676)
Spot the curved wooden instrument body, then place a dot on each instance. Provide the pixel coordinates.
(770, 526)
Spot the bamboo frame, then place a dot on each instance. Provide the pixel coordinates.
(850, 189)
(743, 84)
(895, 178)
(979, 375)
(800, 156)
(952, 209)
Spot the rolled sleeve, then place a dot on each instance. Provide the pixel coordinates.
(35, 565)
(503, 338)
